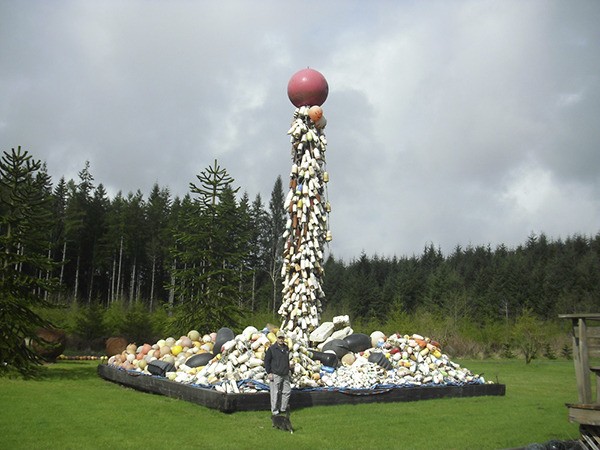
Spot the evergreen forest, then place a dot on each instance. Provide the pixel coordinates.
(213, 258)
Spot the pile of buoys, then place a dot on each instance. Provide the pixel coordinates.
(170, 350)
(235, 363)
(306, 231)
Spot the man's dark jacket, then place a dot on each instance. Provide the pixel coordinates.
(277, 359)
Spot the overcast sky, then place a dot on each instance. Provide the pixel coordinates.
(449, 122)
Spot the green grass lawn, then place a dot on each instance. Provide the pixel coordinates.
(72, 408)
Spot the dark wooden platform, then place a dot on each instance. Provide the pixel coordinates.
(301, 398)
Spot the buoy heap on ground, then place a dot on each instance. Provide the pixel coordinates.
(341, 360)
(306, 231)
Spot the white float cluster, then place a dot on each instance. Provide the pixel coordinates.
(238, 366)
(306, 231)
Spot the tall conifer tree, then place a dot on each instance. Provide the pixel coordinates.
(276, 227)
(25, 227)
(157, 215)
(258, 248)
(208, 255)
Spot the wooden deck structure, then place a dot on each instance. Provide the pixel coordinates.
(586, 345)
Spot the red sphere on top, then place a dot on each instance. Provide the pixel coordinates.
(307, 87)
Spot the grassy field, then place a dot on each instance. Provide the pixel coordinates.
(72, 408)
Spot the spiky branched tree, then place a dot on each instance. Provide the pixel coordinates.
(211, 250)
(25, 230)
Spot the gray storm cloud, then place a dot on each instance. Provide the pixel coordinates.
(451, 123)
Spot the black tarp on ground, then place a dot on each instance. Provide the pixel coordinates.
(301, 398)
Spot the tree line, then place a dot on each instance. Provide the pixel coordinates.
(213, 253)
(212, 257)
(158, 249)
(543, 277)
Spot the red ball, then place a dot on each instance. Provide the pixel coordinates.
(307, 87)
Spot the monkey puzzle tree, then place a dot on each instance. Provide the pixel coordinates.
(211, 249)
(25, 230)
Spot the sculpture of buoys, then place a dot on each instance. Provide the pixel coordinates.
(306, 230)
(232, 363)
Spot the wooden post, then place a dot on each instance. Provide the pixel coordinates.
(584, 388)
(577, 361)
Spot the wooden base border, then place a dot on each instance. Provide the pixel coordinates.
(301, 398)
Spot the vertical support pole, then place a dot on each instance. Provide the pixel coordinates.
(577, 359)
(581, 360)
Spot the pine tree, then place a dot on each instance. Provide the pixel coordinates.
(258, 249)
(77, 228)
(334, 285)
(135, 242)
(25, 226)
(113, 242)
(175, 227)
(235, 248)
(359, 287)
(276, 227)
(59, 240)
(157, 214)
(208, 255)
(45, 235)
(245, 234)
(99, 263)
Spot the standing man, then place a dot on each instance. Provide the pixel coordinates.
(277, 365)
